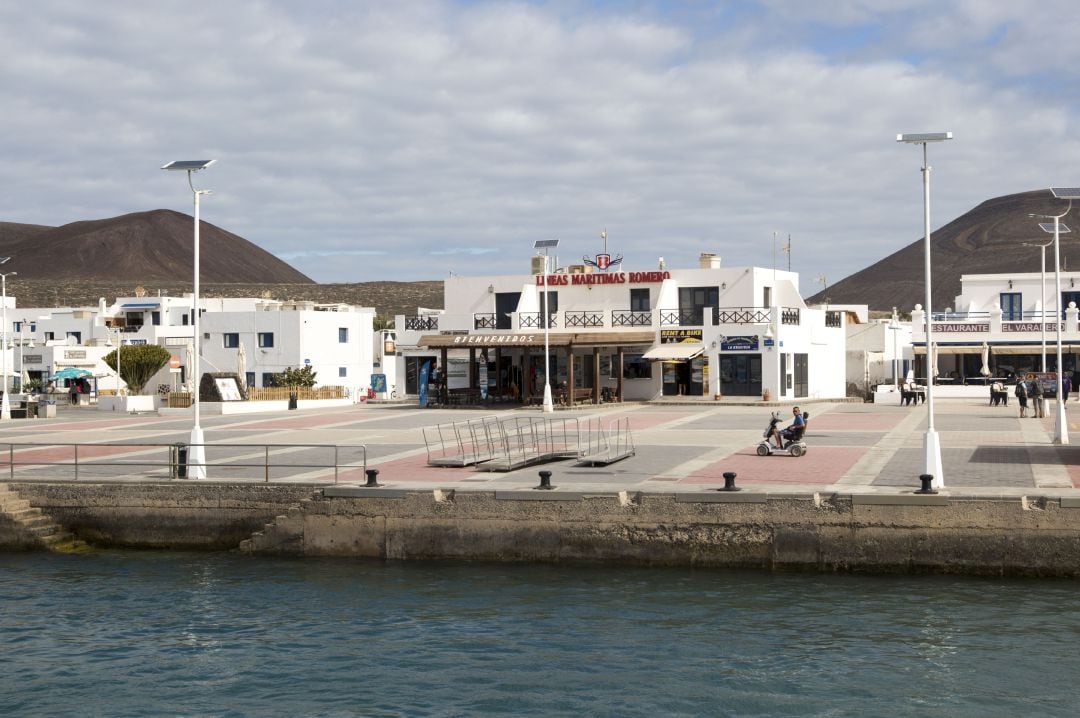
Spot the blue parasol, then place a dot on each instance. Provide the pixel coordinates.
(70, 373)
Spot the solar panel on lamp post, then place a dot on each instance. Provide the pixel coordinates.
(5, 403)
(197, 449)
(546, 245)
(1061, 426)
(931, 444)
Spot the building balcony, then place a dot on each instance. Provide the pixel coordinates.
(994, 326)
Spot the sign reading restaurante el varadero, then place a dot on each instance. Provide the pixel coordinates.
(553, 280)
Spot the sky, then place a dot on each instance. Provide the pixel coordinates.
(364, 141)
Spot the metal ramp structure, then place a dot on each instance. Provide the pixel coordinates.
(606, 445)
(463, 443)
(494, 444)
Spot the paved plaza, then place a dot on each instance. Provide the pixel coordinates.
(679, 447)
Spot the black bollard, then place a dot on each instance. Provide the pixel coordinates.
(545, 481)
(729, 482)
(926, 480)
(372, 474)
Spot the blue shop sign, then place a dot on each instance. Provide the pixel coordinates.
(739, 344)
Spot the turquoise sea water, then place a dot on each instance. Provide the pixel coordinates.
(148, 634)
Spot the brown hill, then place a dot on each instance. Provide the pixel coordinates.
(987, 240)
(138, 248)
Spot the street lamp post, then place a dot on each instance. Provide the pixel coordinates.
(931, 444)
(1061, 427)
(5, 403)
(546, 245)
(1042, 300)
(895, 327)
(197, 448)
(119, 344)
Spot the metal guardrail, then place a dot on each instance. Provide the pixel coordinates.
(422, 324)
(631, 318)
(584, 318)
(151, 459)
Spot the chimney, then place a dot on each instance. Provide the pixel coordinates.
(708, 260)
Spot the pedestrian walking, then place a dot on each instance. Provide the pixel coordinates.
(1021, 396)
(1066, 387)
(1036, 394)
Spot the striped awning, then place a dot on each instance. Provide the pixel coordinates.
(674, 351)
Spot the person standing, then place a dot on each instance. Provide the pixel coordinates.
(1036, 395)
(1021, 396)
(1066, 387)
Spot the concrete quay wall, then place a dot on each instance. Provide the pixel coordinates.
(997, 535)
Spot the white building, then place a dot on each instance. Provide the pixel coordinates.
(634, 335)
(1005, 313)
(334, 339)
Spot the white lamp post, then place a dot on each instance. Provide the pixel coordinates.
(894, 325)
(119, 344)
(197, 449)
(546, 245)
(5, 404)
(1061, 427)
(931, 444)
(1042, 315)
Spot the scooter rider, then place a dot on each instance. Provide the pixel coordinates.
(789, 432)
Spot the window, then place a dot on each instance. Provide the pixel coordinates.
(343, 336)
(634, 367)
(1012, 308)
(17, 327)
(184, 319)
(639, 300)
(266, 339)
(231, 340)
(268, 379)
(249, 378)
(77, 335)
(692, 303)
(342, 371)
(49, 336)
(155, 318)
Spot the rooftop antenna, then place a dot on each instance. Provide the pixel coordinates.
(787, 249)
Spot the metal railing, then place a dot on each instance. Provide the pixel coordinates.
(834, 319)
(233, 462)
(790, 315)
(631, 317)
(484, 320)
(535, 320)
(584, 318)
(422, 324)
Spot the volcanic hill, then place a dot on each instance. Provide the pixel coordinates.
(989, 239)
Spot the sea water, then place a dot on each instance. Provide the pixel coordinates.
(203, 634)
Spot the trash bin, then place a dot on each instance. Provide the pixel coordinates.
(292, 400)
(178, 460)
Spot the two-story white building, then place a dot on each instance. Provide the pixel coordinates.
(627, 334)
(1007, 318)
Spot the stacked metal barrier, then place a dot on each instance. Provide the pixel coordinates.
(607, 444)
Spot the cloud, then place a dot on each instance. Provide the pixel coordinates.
(369, 141)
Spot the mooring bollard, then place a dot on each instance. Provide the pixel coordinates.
(372, 475)
(927, 480)
(545, 481)
(729, 482)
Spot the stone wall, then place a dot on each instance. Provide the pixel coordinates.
(996, 535)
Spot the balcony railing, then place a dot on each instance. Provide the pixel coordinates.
(833, 319)
(631, 318)
(484, 320)
(743, 315)
(422, 324)
(534, 320)
(585, 318)
(790, 315)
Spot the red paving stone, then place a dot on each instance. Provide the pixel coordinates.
(858, 422)
(644, 420)
(819, 465)
(415, 468)
(126, 421)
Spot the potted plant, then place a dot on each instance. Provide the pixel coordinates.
(766, 395)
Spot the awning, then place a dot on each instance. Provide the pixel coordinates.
(1000, 349)
(535, 338)
(674, 352)
(140, 305)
